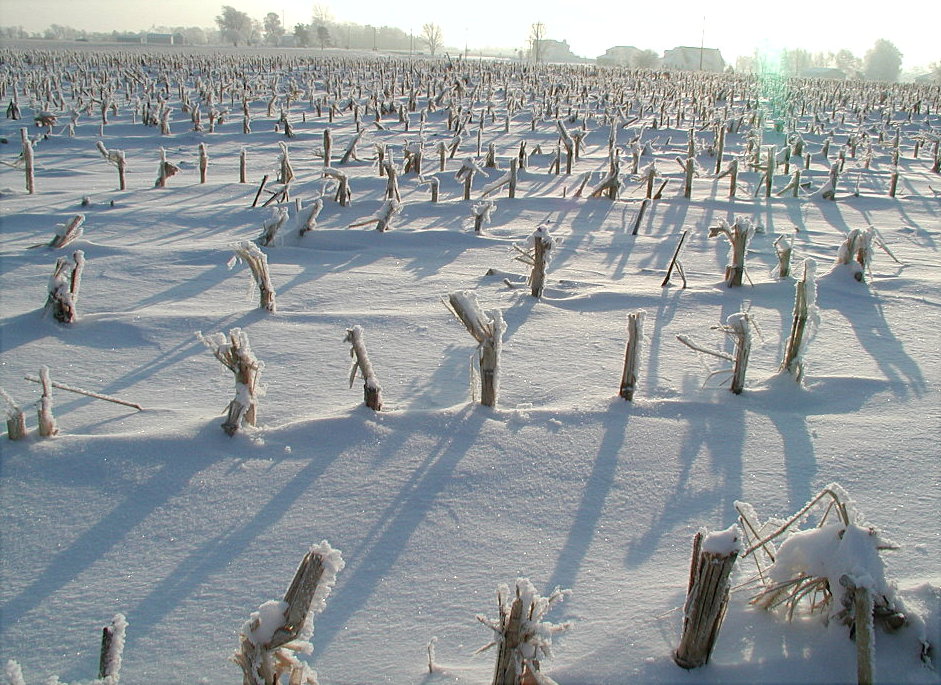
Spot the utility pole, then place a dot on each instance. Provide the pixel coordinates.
(702, 42)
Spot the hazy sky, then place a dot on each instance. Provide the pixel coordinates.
(736, 28)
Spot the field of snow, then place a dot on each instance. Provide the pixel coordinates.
(436, 500)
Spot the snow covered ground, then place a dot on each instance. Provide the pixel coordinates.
(435, 501)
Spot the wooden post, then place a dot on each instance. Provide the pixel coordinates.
(706, 601)
(371, 388)
(635, 334)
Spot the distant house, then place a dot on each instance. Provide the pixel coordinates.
(556, 51)
(164, 39)
(694, 59)
(823, 72)
(619, 56)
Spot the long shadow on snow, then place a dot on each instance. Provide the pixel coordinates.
(219, 552)
(716, 429)
(863, 311)
(596, 489)
(96, 542)
(366, 567)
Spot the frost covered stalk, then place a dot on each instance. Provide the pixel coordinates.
(383, 218)
(482, 212)
(165, 171)
(466, 174)
(521, 635)
(285, 170)
(361, 365)
(610, 185)
(433, 185)
(69, 232)
(487, 330)
(257, 261)
(310, 221)
(16, 419)
(537, 255)
(243, 166)
(713, 558)
(784, 248)
(732, 172)
(278, 631)
(856, 251)
(115, 157)
(112, 649)
(343, 195)
(738, 327)
(47, 422)
(804, 321)
(64, 287)
(203, 162)
(270, 228)
(635, 336)
(569, 144)
(28, 161)
(235, 353)
(738, 235)
(828, 191)
(508, 179)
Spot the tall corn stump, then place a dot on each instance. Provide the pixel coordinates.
(706, 602)
(235, 353)
(112, 648)
(804, 296)
(47, 422)
(28, 161)
(267, 652)
(739, 327)
(361, 364)
(635, 335)
(505, 672)
(487, 330)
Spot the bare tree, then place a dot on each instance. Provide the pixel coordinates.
(431, 34)
(645, 59)
(234, 26)
(883, 62)
(321, 14)
(537, 34)
(273, 28)
(847, 62)
(323, 36)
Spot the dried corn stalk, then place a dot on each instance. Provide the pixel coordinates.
(64, 287)
(487, 329)
(235, 353)
(278, 631)
(361, 364)
(257, 261)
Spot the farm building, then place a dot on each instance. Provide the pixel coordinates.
(694, 59)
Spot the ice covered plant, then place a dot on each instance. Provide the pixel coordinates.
(112, 650)
(257, 261)
(487, 330)
(737, 326)
(362, 366)
(833, 569)
(508, 179)
(270, 228)
(522, 636)
(310, 214)
(482, 212)
(203, 162)
(47, 422)
(165, 170)
(236, 355)
(466, 173)
(28, 162)
(707, 596)
(804, 322)
(738, 235)
(115, 157)
(635, 336)
(66, 233)
(16, 419)
(383, 218)
(537, 253)
(285, 170)
(64, 286)
(280, 630)
(343, 195)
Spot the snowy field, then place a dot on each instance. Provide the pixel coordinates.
(436, 500)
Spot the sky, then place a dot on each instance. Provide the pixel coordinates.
(589, 29)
